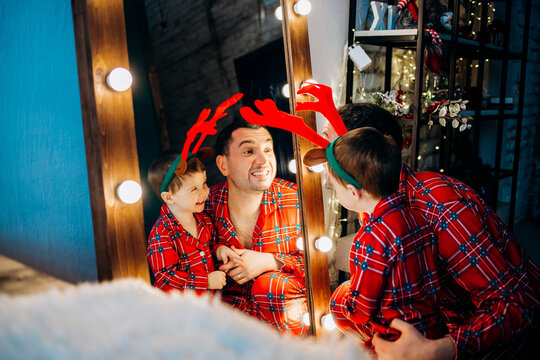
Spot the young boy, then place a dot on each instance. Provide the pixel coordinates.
(181, 242)
(393, 257)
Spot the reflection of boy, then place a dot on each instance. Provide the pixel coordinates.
(490, 287)
(393, 257)
(258, 215)
(182, 239)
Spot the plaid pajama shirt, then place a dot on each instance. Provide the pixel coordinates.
(490, 285)
(277, 297)
(178, 260)
(393, 264)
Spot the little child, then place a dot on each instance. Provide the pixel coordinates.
(181, 242)
(393, 256)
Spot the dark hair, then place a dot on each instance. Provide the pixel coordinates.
(364, 114)
(372, 158)
(224, 136)
(160, 166)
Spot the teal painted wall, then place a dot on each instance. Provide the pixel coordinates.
(45, 215)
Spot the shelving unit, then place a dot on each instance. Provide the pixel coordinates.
(483, 65)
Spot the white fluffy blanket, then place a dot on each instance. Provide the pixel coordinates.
(128, 319)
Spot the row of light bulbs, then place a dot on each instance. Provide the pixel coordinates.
(302, 7)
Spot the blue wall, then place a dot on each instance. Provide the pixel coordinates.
(45, 217)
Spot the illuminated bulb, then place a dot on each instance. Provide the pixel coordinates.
(292, 166)
(328, 322)
(129, 191)
(300, 243)
(279, 13)
(307, 82)
(324, 244)
(119, 79)
(442, 170)
(302, 7)
(436, 148)
(286, 91)
(317, 168)
(419, 157)
(305, 319)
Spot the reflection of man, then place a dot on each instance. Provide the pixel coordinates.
(489, 286)
(258, 216)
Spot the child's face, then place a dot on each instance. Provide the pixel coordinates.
(192, 194)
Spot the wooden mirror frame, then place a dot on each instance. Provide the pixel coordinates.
(298, 61)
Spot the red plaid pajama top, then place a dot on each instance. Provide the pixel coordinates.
(178, 259)
(280, 299)
(490, 285)
(393, 264)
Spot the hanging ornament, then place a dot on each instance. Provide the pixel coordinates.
(436, 53)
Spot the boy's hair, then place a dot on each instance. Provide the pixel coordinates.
(224, 136)
(160, 166)
(364, 114)
(370, 157)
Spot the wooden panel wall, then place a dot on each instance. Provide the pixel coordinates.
(109, 130)
(297, 55)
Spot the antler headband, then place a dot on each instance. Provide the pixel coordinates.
(203, 127)
(273, 117)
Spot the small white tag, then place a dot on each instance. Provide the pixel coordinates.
(359, 57)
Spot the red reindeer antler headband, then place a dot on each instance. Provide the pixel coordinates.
(204, 128)
(273, 117)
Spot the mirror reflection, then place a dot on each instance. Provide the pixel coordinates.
(244, 244)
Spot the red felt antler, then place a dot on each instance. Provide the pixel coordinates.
(206, 127)
(325, 105)
(273, 117)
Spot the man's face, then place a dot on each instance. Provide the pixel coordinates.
(251, 163)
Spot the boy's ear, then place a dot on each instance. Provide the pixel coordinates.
(221, 162)
(355, 192)
(166, 196)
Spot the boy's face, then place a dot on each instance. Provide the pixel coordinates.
(250, 164)
(192, 194)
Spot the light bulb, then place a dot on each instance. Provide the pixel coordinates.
(129, 191)
(328, 322)
(317, 168)
(119, 79)
(286, 91)
(300, 243)
(305, 319)
(324, 244)
(302, 7)
(292, 166)
(279, 13)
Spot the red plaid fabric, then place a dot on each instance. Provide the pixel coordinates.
(277, 298)
(491, 287)
(393, 264)
(179, 260)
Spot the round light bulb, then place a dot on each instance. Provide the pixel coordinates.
(324, 244)
(286, 91)
(300, 243)
(119, 79)
(279, 13)
(305, 319)
(302, 7)
(317, 168)
(328, 322)
(292, 166)
(129, 191)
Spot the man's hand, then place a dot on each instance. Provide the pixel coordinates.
(223, 253)
(252, 265)
(216, 280)
(412, 345)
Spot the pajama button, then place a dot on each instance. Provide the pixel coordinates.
(201, 253)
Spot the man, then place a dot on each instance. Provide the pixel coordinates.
(489, 286)
(257, 216)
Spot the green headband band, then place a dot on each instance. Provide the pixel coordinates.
(169, 176)
(335, 166)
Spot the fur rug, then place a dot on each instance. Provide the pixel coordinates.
(128, 319)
